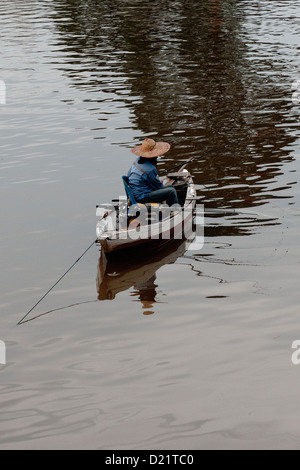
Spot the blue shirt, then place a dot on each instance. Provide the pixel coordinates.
(143, 179)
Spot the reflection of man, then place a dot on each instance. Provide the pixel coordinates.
(143, 176)
(147, 294)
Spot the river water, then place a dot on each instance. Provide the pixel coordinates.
(187, 350)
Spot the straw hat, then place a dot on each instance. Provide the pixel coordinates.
(151, 149)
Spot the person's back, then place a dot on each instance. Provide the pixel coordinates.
(143, 178)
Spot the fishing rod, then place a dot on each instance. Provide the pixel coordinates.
(63, 276)
(220, 149)
(228, 212)
(56, 284)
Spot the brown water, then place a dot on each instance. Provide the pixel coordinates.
(193, 350)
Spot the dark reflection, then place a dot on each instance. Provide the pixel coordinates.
(237, 225)
(184, 70)
(138, 272)
(146, 293)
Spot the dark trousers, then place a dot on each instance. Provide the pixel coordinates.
(167, 194)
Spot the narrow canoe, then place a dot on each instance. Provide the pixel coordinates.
(126, 228)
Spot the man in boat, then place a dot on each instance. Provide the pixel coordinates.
(143, 176)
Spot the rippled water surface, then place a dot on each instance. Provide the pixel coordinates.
(182, 350)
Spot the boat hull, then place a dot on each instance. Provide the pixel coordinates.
(178, 226)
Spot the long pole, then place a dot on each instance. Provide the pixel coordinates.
(57, 282)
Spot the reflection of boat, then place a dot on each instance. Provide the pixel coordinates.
(119, 276)
(137, 226)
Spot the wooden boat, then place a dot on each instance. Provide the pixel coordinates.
(127, 226)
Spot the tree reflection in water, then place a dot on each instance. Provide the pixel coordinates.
(185, 70)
